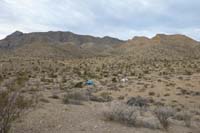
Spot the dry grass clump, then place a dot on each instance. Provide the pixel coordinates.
(76, 97)
(129, 115)
(185, 116)
(121, 112)
(163, 114)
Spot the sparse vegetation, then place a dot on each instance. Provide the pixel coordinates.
(185, 116)
(106, 97)
(163, 114)
(122, 113)
(138, 101)
(12, 106)
(76, 97)
(151, 83)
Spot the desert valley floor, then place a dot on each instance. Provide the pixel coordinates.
(63, 102)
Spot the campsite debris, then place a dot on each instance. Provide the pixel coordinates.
(89, 82)
(124, 80)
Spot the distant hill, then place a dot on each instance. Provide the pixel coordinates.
(67, 44)
(56, 44)
(160, 47)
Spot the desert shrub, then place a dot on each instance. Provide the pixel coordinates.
(149, 122)
(113, 87)
(163, 114)
(44, 100)
(196, 111)
(106, 97)
(121, 98)
(1, 78)
(79, 85)
(21, 80)
(54, 96)
(53, 75)
(121, 112)
(74, 84)
(76, 97)
(188, 72)
(48, 80)
(196, 93)
(151, 93)
(167, 94)
(138, 101)
(114, 79)
(185, 116)
(12, 106)
(96, 98)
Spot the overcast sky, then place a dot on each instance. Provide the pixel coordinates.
(118, 18)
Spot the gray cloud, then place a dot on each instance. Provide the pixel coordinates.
(122, 19)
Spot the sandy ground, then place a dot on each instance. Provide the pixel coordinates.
(56, 117)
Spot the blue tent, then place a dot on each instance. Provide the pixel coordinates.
(89, 82)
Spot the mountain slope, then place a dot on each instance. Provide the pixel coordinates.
(56, 44)
(160, 47)
(67, 44)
